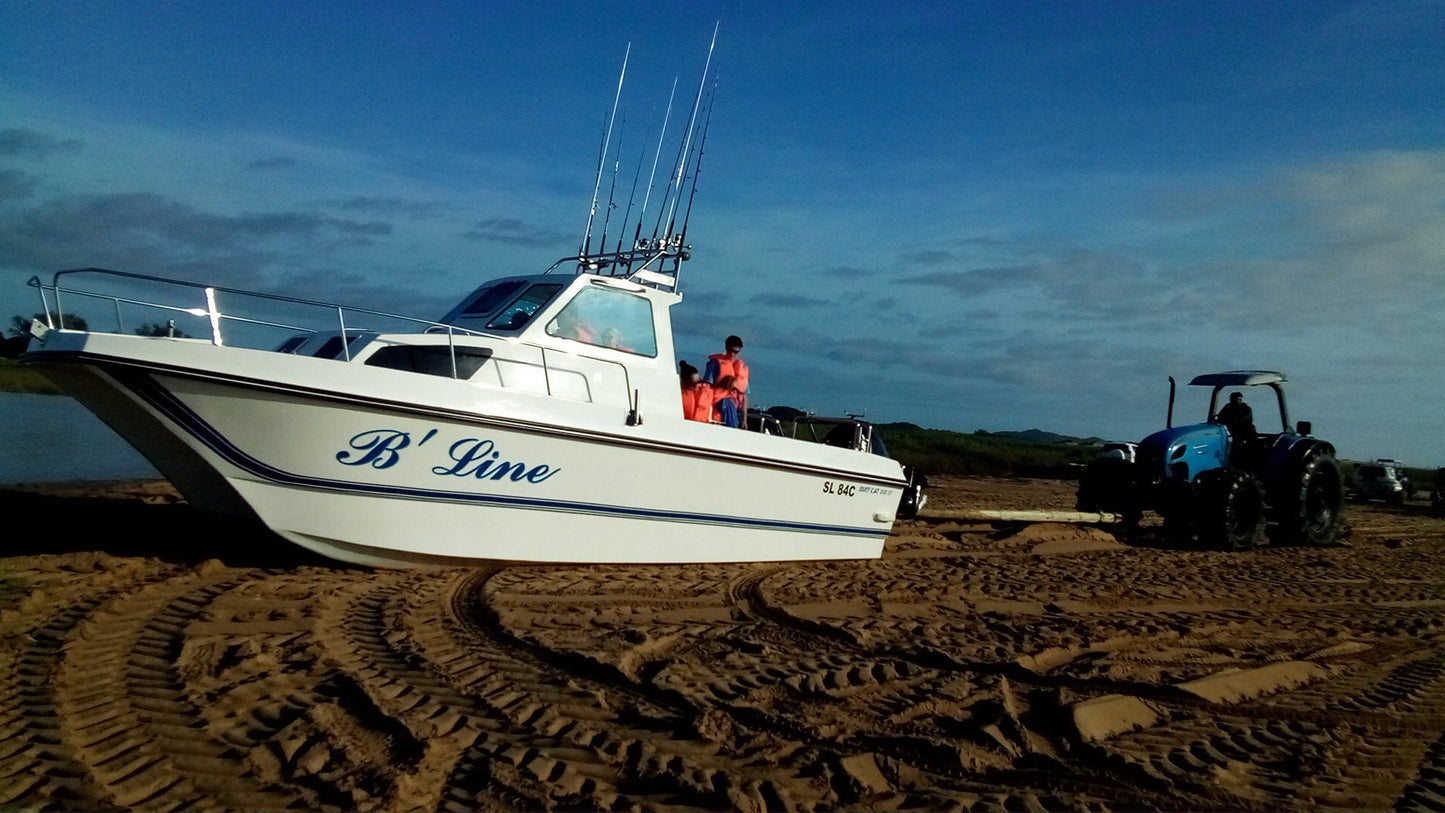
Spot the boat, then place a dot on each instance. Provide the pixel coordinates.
(539, 420)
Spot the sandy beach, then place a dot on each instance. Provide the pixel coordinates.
(152, 659)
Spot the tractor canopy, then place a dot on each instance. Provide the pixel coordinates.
(1240, 378)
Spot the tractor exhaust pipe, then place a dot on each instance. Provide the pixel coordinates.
(1169, 419)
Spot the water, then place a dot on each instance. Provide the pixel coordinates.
(53, 439)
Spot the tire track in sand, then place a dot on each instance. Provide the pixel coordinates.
(955, 730)
(37, 764)
(124, 707)
(593, 732)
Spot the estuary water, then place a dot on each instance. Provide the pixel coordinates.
(53, 439)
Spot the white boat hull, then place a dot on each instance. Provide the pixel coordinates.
(380, 467)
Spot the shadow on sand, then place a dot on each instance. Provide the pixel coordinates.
(131, 522)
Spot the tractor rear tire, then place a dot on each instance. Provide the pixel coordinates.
(1309, 501)
(1229, 510)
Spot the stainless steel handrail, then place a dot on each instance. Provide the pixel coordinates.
(214, 315)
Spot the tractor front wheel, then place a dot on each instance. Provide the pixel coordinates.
(1229, 510)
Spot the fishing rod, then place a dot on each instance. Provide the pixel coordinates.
(612, 192)
(632, 197)
(657, 154)
(697, 167)
(602, 157)
(679, 166)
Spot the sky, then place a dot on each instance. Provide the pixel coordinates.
(964, 215)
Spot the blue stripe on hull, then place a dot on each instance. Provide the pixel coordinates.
(148, 390)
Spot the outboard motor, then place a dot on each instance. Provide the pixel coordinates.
(913, 499)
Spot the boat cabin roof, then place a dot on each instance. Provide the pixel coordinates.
(593, 309)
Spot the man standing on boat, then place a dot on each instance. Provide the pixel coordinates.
(723, 365)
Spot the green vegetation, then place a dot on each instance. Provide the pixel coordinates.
(16, 377)
(939, 451)
(1031, 453)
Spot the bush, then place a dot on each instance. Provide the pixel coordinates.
(939, 451)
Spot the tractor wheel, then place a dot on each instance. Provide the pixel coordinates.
(1309, 501)
(1229, 510)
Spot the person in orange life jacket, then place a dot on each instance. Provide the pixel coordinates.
(570, 327)
(696, 396)
(731, 364)
(726, 403)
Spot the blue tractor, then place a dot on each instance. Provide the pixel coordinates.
(1222, 482)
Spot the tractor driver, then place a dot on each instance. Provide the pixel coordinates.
(1238, 418)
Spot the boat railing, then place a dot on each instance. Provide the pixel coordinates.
(215, 317)
(656, 262)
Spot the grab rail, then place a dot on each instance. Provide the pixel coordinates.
(214, 316)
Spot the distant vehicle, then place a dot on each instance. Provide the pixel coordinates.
(1398, 466)
(1225, 486)
(1374, 481)
(1119, 449)
(1437, 494)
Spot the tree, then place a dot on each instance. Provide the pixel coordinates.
(160, 329)
(20, 325)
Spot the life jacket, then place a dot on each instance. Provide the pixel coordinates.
(719, 366)
(697, 402)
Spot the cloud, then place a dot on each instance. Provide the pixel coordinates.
(787, 301)
(514, 232)
(15, 185)
(929, 257)
(977, 281)
(20, 142)
(389, 207)
(273, 163)
(151, 231)
(850, 272)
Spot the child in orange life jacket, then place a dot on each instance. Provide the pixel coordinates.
(725, 403)
(730, 363)
(696, 395)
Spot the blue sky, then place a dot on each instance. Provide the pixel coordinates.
(965, 215)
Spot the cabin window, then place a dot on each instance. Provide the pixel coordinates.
(292, 344)
(333, 346)
(606, 317)
(517, 314)
(431, 359)
(492, 297)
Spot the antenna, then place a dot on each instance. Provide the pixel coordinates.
(602, 157)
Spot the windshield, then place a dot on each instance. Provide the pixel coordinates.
(520, 312)
(846, 434)
(491, 297)
(604, 317)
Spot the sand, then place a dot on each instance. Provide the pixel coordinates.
(153, 660)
